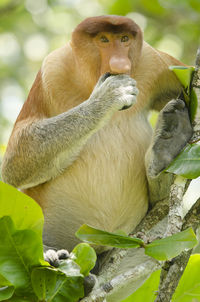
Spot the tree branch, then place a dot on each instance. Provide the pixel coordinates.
(173, 270)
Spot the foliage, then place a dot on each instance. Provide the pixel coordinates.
(185, 75)
(188, 289)
(24, 275)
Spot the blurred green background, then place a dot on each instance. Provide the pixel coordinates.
(30, 29)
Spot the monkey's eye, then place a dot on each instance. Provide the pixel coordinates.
(124, 39)
(104, 39)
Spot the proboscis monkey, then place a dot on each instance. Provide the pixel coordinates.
(76, 152)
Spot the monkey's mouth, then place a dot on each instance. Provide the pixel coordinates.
(107, 75)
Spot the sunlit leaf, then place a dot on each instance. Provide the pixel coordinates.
(172, 246)
(24, 211)
(188, 289)
(85, 257)
(183, 73)
(147, 292)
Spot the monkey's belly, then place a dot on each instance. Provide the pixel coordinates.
(103, 201)
(105, 188)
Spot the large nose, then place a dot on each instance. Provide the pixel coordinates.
(120, 64)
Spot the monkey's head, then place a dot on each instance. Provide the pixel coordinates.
(107, 44)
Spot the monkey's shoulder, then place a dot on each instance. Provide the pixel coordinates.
(58, 65)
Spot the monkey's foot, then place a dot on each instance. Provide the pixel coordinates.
(54, 257)
(173, 131)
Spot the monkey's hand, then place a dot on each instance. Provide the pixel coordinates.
(115, 91)
(173, 131)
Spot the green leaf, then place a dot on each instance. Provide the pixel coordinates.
(187, 163)
(184, 74)
(189, 286)
(172, 246)
(96, 236)
(24, 211)
(147, 292)
(46, 282)
(6, 292)
(193, 104)
(72, 290)
(18, 251)
(85, 257)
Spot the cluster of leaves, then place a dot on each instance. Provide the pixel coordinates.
(24, 275)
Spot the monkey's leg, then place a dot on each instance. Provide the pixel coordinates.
(173, 131)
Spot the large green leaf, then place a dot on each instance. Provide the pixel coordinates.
(19, 250)
(147, 292)
(96, 236)
(62, 284)
(72, 290)
(187, 163)
(24, 211)
(188, 289)
(47, 282)
(171, 246)
(85, 257)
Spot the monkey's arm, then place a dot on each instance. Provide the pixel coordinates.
(173, 131)
(40, 150)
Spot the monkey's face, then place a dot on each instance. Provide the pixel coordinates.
(114, 51)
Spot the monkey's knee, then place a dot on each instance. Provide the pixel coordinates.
(173, 131)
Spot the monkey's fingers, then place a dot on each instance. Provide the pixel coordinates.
(54, 257)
